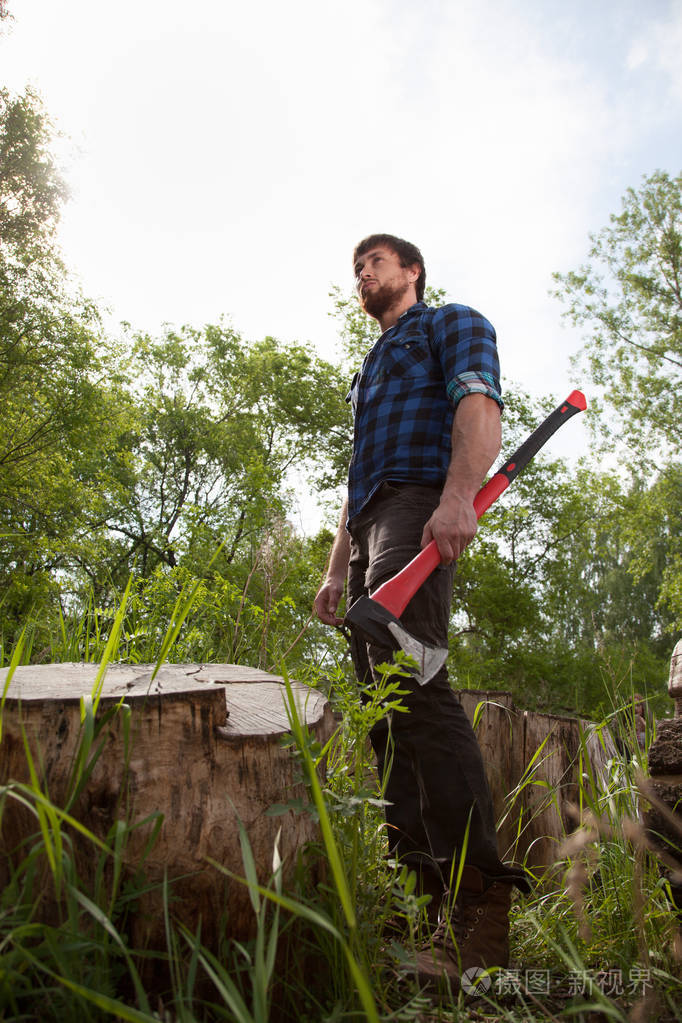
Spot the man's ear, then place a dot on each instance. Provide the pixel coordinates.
(415, 271)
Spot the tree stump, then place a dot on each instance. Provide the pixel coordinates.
(200, 746)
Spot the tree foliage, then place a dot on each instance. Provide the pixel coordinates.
(139, 456)
(32, 189)
(54, 389)
(215, 424)
(549, 605)
(628, 299)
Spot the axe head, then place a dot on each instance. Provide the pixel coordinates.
(377, 625)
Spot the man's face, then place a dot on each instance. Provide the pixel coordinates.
(381, 281)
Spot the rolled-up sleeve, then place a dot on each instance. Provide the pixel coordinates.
(466, 344)
(473, 383)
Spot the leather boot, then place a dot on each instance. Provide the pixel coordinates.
(474, 934)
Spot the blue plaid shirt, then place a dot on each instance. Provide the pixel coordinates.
(404, 397)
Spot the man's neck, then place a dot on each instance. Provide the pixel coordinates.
(392, 315)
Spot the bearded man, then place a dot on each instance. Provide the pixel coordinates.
(426, 406)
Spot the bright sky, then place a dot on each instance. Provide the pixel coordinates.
(226, 156)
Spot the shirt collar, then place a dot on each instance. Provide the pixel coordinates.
(416, 308)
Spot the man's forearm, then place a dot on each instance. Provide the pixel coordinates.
(476, 442)
(476, 436)
(340, 553)
(330, 593)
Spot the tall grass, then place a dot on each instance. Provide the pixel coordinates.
(332, 950)
(599, 927)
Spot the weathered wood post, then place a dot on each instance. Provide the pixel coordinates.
(533, 762)
(675, 678)
(200, 746)
(499, 727)
(664, 818)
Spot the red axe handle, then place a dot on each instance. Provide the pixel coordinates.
(396, 593)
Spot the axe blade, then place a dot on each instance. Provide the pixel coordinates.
(430, 659)
(378, 625)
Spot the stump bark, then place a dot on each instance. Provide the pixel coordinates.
(199, 746)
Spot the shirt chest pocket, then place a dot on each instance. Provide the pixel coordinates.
(410, 356)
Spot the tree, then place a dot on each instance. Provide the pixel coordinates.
(146, 456)
(628, 298)
(548, 602)
(32, 191)
(215, 425)
(653, 530)
(45, 345)
(57, 412)
(629, 301)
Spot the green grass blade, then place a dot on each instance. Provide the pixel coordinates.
(13, 664)
(330, 845)
(48, 819)
(318, 919)
(105, 923)
(35, 800)
(224, 985)
(183, 606)
(249, 867)
(111, 647)
(119, 1010)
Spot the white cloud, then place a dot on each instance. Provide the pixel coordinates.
(637, 55)
(666, 47)
(656, 45)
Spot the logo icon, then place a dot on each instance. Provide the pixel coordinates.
(475, 981)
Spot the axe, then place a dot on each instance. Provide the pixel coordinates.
(377, 618)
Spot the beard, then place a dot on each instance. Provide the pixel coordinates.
(379, 300)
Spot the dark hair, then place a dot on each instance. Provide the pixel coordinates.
(407, 253)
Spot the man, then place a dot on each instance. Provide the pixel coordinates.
(427, 429)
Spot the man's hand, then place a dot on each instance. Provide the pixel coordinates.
(453, 526)
(327, 601)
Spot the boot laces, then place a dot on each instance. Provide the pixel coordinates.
(458, 924)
